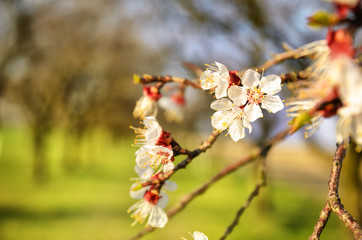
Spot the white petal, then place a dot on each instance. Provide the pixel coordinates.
(168, 167)
(236, 130)
(271, 84)
(209, 79)
(238, 95)
(153, 128)
(144, 173)
(357, 129)
(247, 125)
(224, 72)
(163, 200)
(199, 236)
(221, 104)
(139, 193)
(250, 78)
(252, 112)
(221, 120)
(169, 186)
(221, 88)
(272, 103)
(158, 218)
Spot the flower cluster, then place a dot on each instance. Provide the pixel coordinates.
(155, 155)
(239, 100)
(334, 88)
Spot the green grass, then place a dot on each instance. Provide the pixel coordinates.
(91, 202)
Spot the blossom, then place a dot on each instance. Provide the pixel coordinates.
(230, 116)
(147, 104)
(257, 90)
(198, 236)
(173, 107)
(150, 206)
(146, 174)
(157, 157)
(216, 76)
(350, 114)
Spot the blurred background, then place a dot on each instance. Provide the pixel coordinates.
(66, 102)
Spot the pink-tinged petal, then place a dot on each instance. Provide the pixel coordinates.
(272, 103)
(221, 104)
(158, 218)
(221, 120)
(224, 72)
(250, 78)
(270, 84)
(236, 130)
(221, 89)
(252, 112)
(238, 95)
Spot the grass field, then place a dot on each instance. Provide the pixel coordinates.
(91, 202)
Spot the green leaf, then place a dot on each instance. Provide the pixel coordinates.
(323, 19)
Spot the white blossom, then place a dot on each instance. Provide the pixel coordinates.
(198, 236)
(157, 157)
(230, 116)
(216, 76)
(150, 134)
(143, 209)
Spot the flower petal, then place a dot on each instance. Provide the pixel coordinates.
(221, 104)
(238, 95)
(139, 193)
(169, 186)
(209, 79)
(199, 236)
(236, 130)
(144, 173)
(158, 218)
(250, 78)
(224, 72)
(221, 120)
(221, 88)
(252, 112)
(163, 200)
(271, 84)
(272, 103)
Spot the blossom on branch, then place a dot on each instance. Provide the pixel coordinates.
(216, 76)
(350, 114)
(173, 107)
(157, 157)
(244, 103)
(198, 236)
(150, 206)
(151, 134)
(230, 116)
(258, 91)
(147, 104)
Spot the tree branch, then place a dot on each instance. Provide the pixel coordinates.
(333, 201)
(261, 151)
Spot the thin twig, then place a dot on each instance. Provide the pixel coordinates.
(333, 201)
(146, 78)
